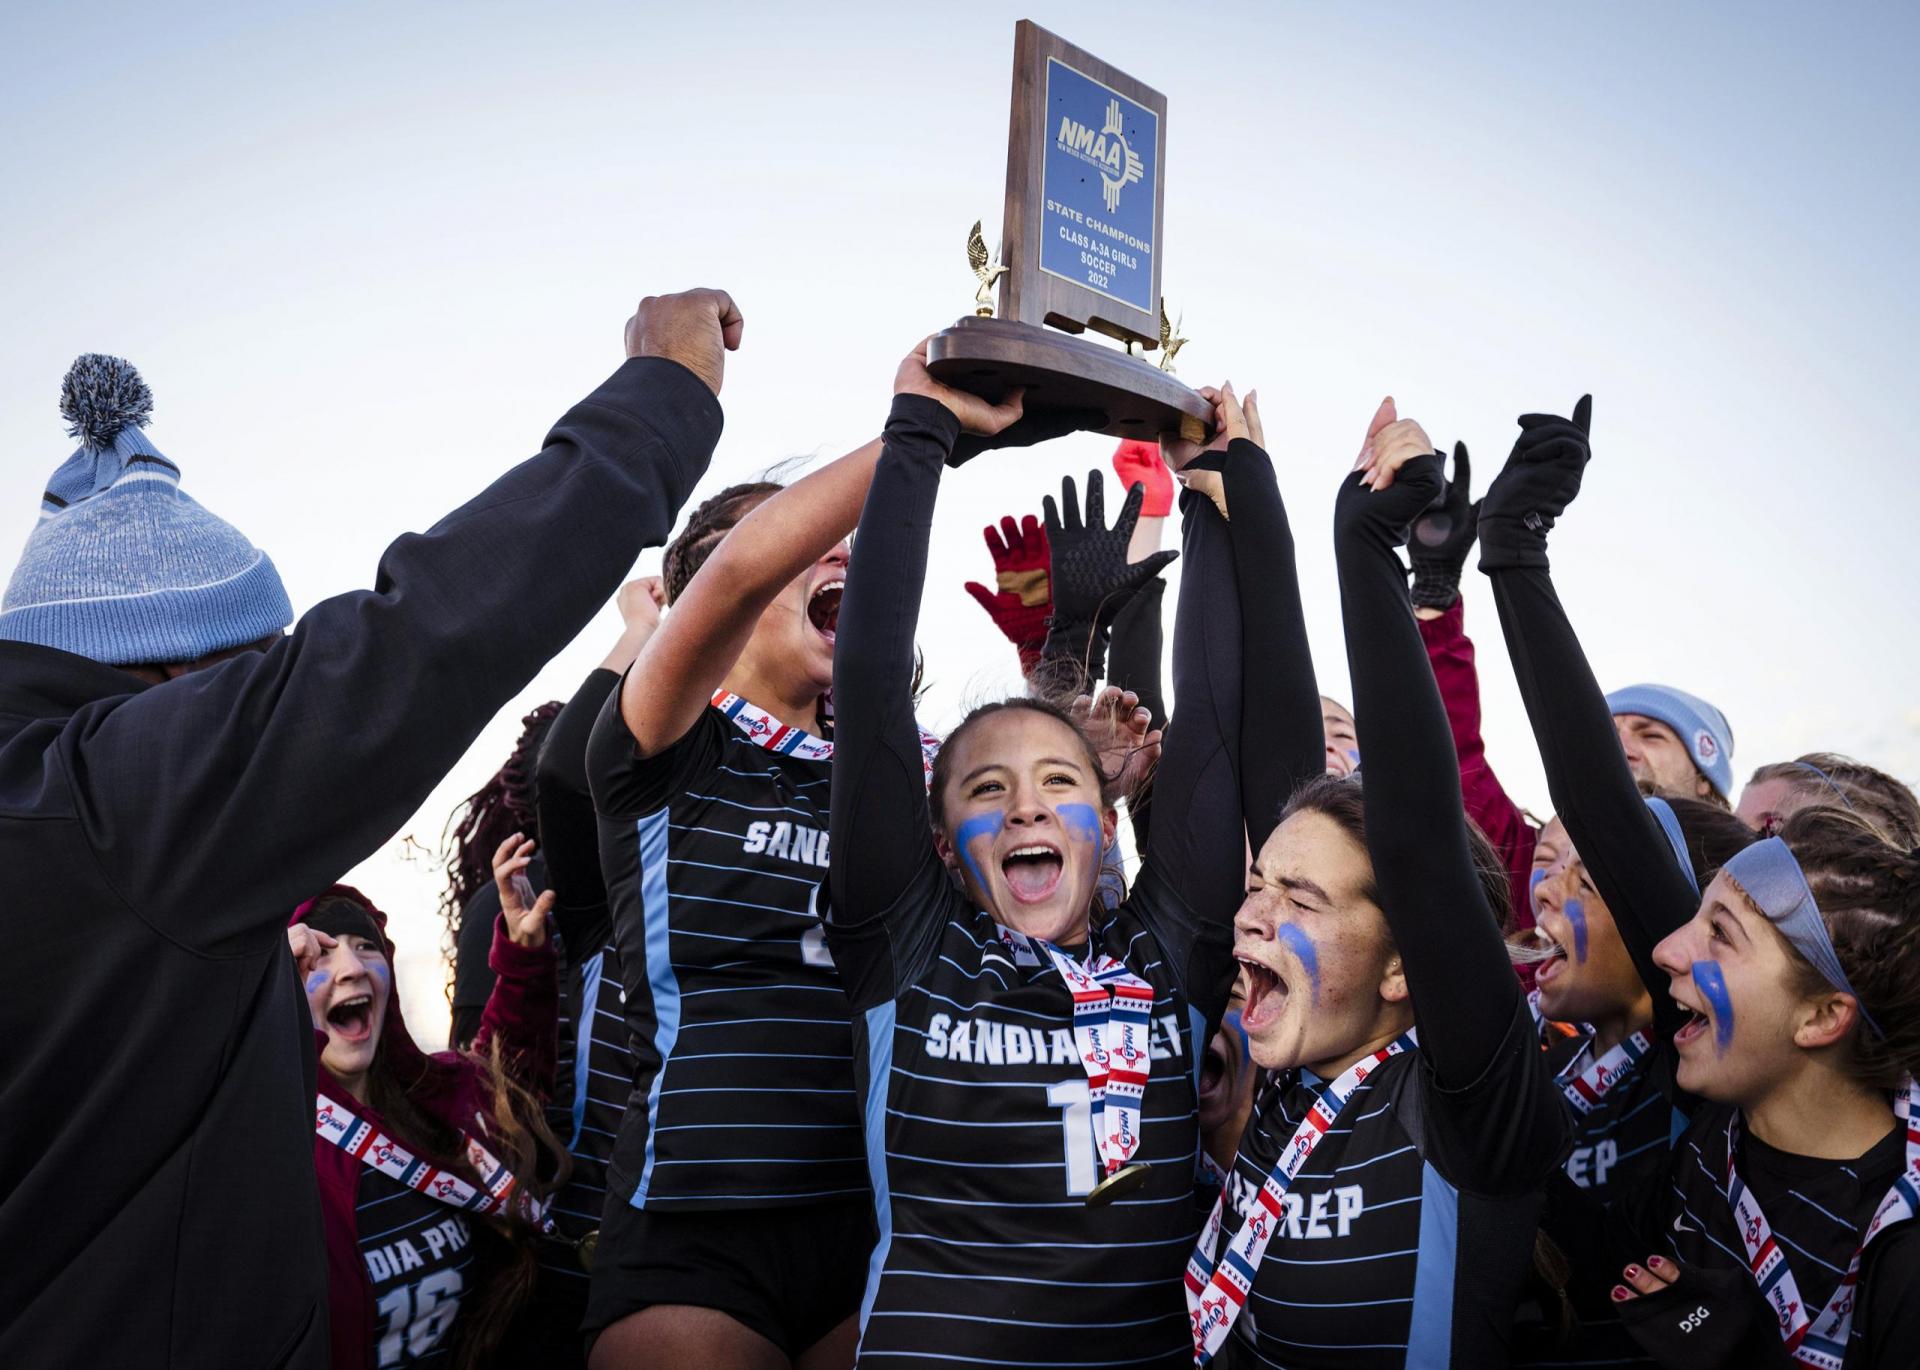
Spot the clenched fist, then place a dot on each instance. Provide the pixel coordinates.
(696, 328)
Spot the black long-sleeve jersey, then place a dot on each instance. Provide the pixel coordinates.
(743, 1073)
(1676, 1198)
(976, 1101)
(593, 1070)
(1406, 1236)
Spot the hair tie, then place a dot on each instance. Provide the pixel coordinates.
(1826, 780)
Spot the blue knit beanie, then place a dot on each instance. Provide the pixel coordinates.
(123, 567)
(1701, 728)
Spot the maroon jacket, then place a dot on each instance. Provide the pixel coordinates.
(523, 1013)
(1451, 654)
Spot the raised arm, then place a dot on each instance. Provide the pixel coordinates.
(1197, 844)
(1594, 792)
(1465, 996)
(523, 1011)
(1281, 738)
(563, 802)
(1442, 539)
(284, 768)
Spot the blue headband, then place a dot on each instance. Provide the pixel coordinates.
(1670, 825)
(1773, 880)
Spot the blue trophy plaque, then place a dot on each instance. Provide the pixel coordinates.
(1099, 178)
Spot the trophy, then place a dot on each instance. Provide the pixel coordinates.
(1085, 155)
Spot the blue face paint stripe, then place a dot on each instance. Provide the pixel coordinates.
(1295, 939)
(1533, 889)
(318, 980)
(1082, 822)
(1576, 913)
(1713, 985)
(986, 825)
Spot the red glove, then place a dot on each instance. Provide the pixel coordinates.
(1139, 463)
(1025, 598)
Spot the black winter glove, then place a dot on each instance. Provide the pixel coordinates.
(1090, 574)
(1706, 1319)
(1539, 481)
(1442, 537)
(1030, 428)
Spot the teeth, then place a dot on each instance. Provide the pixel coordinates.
(830, 585)
(1032, 851)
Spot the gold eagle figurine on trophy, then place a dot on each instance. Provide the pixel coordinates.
(1169, 343)
(985, 268)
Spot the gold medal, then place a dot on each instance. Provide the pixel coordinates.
(1119, 1184)
(585, 1247)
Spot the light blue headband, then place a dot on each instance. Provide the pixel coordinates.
(1670, 825)
(1773, 880)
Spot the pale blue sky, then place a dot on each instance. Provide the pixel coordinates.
(365, 255)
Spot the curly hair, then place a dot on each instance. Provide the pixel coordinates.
(482, 821)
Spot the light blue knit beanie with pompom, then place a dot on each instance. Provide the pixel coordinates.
(123, 566)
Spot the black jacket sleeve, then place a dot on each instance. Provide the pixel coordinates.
(219, 800)
(1594, 792)
(1463, 987)
(569, 829)
(887, 891)
(1282, 741)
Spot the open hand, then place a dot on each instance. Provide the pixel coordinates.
(1121, 730)
(1024, 598)
(525, 915)
(696, 328)
(1091, 576)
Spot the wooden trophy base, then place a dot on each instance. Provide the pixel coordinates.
(989, 357)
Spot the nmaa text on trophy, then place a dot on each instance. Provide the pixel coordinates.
(1086, 151)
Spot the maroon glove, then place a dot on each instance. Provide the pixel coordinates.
(1025, 598)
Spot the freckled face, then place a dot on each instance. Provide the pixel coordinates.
(347, 994)
(1026, 822)
(1731, 968)
(1317, 967)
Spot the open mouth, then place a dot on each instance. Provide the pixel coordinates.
(1213, 1067)
(1543, 950)
(1696, 1026)
(1032, 872)
(823, 608)
(352, 1019)
(1266, 993)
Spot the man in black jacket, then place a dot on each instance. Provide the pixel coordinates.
(180, 775)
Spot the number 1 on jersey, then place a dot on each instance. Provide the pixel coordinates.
(1076, 1125)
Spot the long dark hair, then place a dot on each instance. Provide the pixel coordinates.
(401, 1084)
(1868, 893)
(482, 821)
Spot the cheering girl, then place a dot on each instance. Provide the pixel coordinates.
(1027, 1055)
(429, 1165)
(1790, 984)
(1384, 1202)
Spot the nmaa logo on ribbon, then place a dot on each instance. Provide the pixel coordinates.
(1119, 165)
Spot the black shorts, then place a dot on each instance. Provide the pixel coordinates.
(790, 1274)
